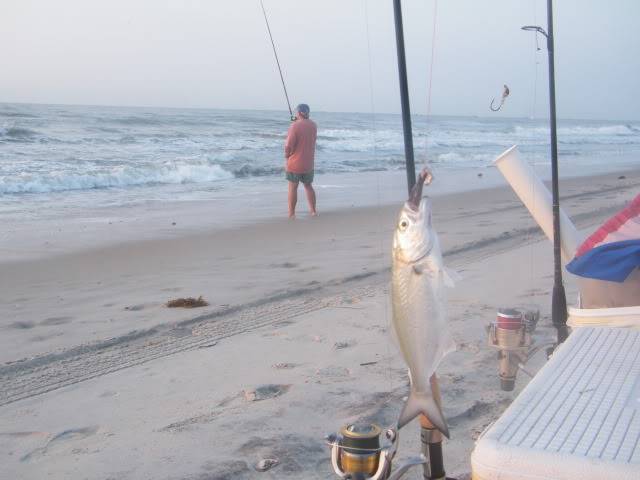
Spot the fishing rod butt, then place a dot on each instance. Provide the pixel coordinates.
(559, 312)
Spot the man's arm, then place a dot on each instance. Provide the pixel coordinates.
(290, 144)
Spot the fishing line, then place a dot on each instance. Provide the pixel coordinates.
(535, 64)
(378, 189)
(275, 53)
(528, 239)
(433, 54)
(429, 89)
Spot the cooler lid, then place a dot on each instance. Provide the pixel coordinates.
(578, 419)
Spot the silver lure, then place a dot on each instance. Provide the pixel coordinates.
(418, 295)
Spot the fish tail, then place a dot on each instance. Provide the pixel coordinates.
(420, 402)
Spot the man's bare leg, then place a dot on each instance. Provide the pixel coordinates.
(311, 198)
(293, 198)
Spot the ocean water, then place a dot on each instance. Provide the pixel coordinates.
(54, 156)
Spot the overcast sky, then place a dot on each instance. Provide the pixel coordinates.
(216, 53)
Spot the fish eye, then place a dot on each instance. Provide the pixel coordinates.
(403, 224)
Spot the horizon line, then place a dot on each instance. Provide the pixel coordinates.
(318, 111)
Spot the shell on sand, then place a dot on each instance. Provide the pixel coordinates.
(266, 464)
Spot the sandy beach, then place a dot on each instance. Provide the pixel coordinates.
(99, 379)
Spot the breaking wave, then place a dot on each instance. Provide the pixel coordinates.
(118, 177)
(17, 132)
(249, 171)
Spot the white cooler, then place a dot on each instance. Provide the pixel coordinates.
(578, 419)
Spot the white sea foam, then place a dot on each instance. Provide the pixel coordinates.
(603, 130)
(120, 176)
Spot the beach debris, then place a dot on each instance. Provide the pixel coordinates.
(264, 392)
(367, 363)
(343, 344)
(505, 94)
(188, 302)
(212, 344)
(418, 281)
(134, 308)
(622, 177)
(266, 464)
(283, 366)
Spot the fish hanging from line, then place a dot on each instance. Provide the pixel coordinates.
(505, 94)
(418, 282)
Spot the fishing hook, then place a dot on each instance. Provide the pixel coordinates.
(505, 94)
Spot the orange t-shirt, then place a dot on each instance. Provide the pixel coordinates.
(300, 147)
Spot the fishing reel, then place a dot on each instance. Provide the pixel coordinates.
(356, 453)
(511, 334)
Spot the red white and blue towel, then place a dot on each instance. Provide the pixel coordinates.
(613, 251)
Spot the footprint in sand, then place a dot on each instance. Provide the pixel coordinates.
(307, 269)
(284, 265)
(61, 438)
(264, 392)
(231, 469)
(108, 393)
(55, 320)
(43, 338)
(22, 325)
(296, 454)
(333, 371)
(20, 300)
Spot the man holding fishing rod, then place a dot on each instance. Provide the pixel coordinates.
(299, 152)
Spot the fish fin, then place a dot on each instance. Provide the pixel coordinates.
(450, 277)
(424, 403)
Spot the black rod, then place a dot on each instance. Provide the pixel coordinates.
(559, 298)
(432, 450)
(275, 54)
(404, 97)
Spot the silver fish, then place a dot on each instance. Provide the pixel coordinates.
(418, 296)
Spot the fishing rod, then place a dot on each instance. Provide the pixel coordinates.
(275, 53)
(356, 451)
(559, 297)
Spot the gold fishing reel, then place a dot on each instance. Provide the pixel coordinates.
(360, 448)
(357, 453)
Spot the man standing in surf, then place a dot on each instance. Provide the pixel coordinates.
(299, 151)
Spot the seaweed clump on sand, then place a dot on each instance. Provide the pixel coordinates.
(188, 302)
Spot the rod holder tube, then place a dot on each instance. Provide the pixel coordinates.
(538, 200)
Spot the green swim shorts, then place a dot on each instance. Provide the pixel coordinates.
(300, 177)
